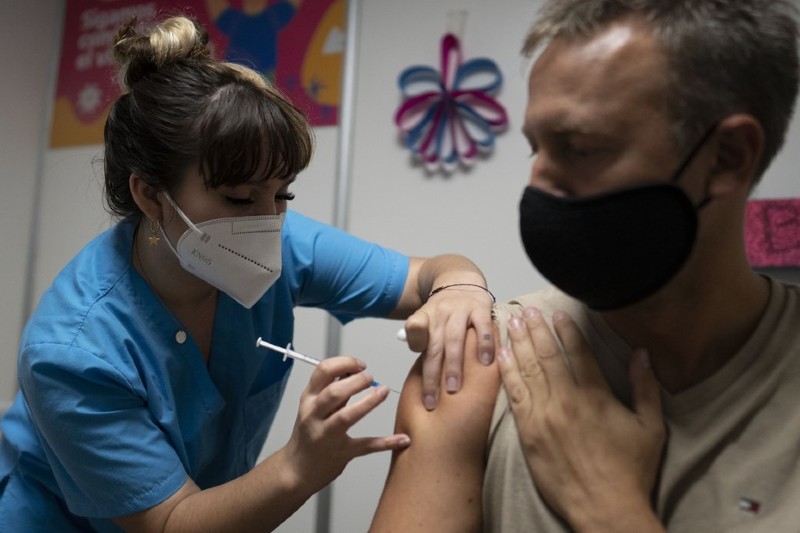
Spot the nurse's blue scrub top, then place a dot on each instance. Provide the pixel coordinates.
(114, 414)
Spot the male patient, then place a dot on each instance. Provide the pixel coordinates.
(652, 122)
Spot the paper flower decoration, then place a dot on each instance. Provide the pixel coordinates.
(449, 117)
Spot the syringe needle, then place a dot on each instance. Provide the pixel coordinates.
(288, 352)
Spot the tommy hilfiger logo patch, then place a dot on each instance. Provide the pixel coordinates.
(749, 506)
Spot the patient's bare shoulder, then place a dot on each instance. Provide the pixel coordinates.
(435, 484)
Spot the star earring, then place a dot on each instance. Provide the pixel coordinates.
(154, 227)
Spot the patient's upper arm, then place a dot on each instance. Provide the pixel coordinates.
(435, 484)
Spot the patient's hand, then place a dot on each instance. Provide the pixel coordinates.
(594, 460)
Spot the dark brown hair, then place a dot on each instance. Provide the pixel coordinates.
(726, 56)
(180, 108)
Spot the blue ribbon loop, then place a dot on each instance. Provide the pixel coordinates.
(450, 116)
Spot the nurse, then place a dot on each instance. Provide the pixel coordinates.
(144, 401)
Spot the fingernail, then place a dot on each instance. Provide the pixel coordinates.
(361, 363)
(429, 402)
(452, 384)
(503, 354)
(530, 312)
(486, 358)
(382, 391)
(558, 316)
(515, 322)
(404, 441)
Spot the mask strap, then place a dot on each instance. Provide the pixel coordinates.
(164, 233)
(703, 203)
(181, 214)
(687, 161)
(185, 219)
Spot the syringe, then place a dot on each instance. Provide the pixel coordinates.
(288, 352)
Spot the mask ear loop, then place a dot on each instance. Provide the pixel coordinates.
(181, 213)
(185, 219)
(688, 160)
(702, 203)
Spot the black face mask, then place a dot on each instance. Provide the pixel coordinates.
(612, 249)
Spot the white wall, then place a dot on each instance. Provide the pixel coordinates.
(28, 39)
(392, 202)
(395, 203)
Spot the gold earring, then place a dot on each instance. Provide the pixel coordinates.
(154, 227)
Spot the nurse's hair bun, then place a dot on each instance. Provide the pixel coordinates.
(174, 40)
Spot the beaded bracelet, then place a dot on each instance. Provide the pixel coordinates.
(443, 287)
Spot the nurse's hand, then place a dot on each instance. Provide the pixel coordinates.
(591, 458)
(320, 448)
(317, 452)
(438, 330)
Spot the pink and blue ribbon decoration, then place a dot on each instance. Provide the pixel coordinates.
(450, 117)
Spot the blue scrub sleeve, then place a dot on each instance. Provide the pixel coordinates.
(107, 452)
(336, 271)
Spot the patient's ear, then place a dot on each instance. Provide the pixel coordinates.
(737, 160)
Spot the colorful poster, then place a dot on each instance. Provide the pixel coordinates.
(298, 44)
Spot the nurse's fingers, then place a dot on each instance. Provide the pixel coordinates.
(481, 320)
(430, 343)
(336, 395)
(455, 336)
(366, 445)
(457, 348)
(344, 418)
(416, 327)
(431, 375)
(331, 369)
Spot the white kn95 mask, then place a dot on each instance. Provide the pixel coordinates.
(241, 256)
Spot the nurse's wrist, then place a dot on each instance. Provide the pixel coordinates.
(464, 286)
(292, 476)
(289, 476)
(447, 269)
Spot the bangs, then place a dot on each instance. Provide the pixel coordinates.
(248, 133)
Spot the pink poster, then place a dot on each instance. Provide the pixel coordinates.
(772, 232)
(298, 44)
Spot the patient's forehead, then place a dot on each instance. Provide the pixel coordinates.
(614, 80)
